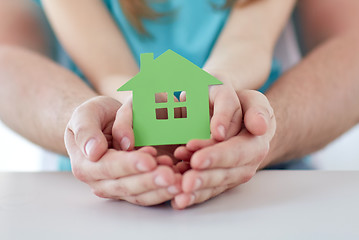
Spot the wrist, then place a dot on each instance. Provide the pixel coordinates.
(110, 84)
(243, 67)
(284, 139)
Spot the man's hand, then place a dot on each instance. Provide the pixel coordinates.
(132, 176)
(218, 166)
(226, 122)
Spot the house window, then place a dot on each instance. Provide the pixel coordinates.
(180, 95)
(161, 110)
(170, 106)
(161, 97)
(161, 113)
(180, 112)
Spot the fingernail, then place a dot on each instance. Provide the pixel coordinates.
(142, 167)
(205, 164)
(197, 184)
(222, 131)
(179, 200)
(160, 181)
(89, 147)
(125, 143)
(173, 190)
(191, 201)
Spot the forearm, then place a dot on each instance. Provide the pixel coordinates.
(20, 25)
(37, 97)
(317, 100)
(93, 40)
(248, 39)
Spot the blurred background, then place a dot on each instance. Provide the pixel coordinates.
(19, 154)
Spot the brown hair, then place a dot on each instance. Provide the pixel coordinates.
(136, 10)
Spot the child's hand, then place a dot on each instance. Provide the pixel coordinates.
(225, 111)
(226, 119)
(124, 136)
(217, 167)
(131, 176)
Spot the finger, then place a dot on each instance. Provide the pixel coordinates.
(163, 98)
(122, 131)
(183, 153)
(87, 123)
(183, 167)
(150, 150)
(236, 151)
(76, 156)
(183, 96)
(164, 160)
(151, 198)
(184, 200)
(157, 196)
(116, 164)
(258, 114)
(198, 180)
(227, 113)
(197, 144)
(162, 177)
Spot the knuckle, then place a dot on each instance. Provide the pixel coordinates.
(79, 173)
(79, 131)
(255, 93)
(146, 185)
(78, 111)
(164, 195)
(119, 130)
(68, 132)
(270, 112)
(237, 161)
(121, 191)
(215, 191)
(139, 201)
(202, 196)
(107, 169)
(227, 178)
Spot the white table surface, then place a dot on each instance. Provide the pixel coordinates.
(273, 205)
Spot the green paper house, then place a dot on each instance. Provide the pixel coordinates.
(166, 76)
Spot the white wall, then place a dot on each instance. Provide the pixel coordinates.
(17, 154)
(342, 154)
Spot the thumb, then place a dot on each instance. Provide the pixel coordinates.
(227, 113)
(122, 132)
(258, 114)
(87, 123)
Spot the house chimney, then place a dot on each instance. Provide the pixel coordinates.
(146, 61)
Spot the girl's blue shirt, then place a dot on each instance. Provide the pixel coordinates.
(188, 27)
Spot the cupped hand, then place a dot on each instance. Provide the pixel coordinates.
(226, 121)
(123, 135)
(132, 176)
(218, 166)
(226, 118)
